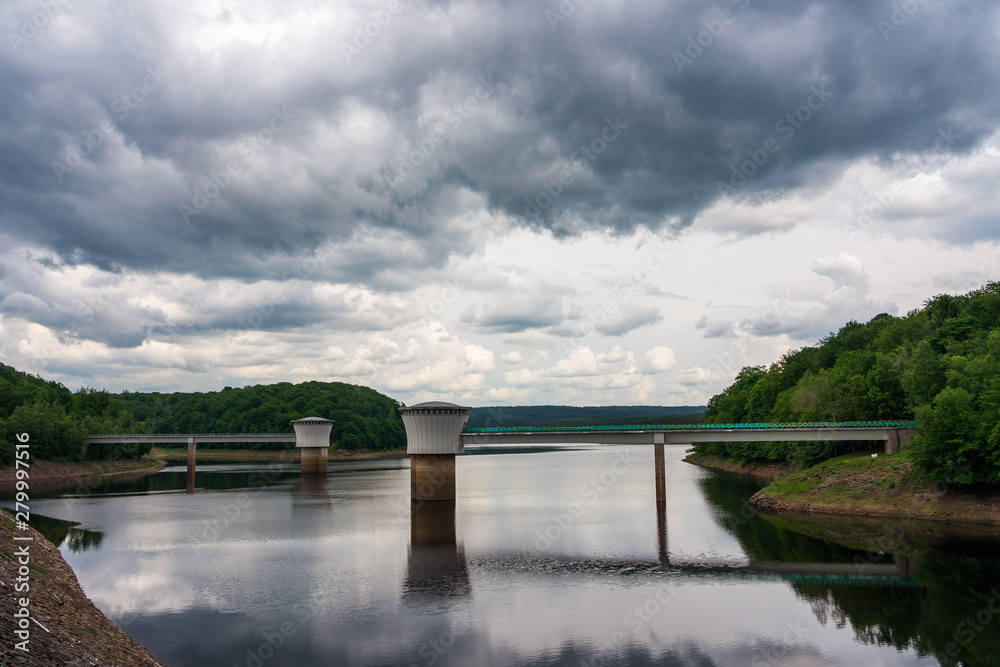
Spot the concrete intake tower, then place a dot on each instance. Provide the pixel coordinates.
(433, 438)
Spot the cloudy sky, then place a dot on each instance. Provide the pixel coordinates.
(490, 202)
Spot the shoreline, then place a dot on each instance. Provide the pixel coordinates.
(68, 627)
(888, 487)
(42, 470)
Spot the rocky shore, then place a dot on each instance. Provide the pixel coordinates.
(64, 626)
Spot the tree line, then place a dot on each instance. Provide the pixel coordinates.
(59, 420)
(940, 365)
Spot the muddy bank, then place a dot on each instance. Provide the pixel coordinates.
(761, 472)
(43, 470)
(888, 487)
(856, 485)
(64, 625)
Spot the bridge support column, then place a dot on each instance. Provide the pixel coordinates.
(898, 437)
(433, 438)
(432, 477)
(661, 534)
(312, 438)
(659, 467)
(314, 460)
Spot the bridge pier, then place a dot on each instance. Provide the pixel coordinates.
(659, 469)
(433, 438)
(898, 438)
(312, 437)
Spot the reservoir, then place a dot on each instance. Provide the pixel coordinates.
(547, 557)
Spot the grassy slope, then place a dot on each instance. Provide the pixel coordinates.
(887, 486)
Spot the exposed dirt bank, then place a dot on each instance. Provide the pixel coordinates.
(762, 472)
(49, 470)
(885, 487)
(65, 627)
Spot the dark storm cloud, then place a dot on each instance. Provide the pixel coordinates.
(618, 116)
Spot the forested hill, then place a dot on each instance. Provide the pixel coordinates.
(939, 364)
(362, 417)
(564, 415)
(58, 420)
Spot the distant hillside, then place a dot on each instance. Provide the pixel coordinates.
(564, 415)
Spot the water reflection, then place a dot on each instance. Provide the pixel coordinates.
(435, 561)
(204, 579)
(67, 533)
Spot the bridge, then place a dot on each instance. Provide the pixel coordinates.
(884, 431)
(436, 432)
(419, 440)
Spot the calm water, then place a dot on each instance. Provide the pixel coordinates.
(546, 558)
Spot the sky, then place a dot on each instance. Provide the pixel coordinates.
(570, 202)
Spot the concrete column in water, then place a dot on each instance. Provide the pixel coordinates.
(433, 438)
(312, 438)
(659, 465)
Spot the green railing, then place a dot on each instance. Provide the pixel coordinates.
(697, 427)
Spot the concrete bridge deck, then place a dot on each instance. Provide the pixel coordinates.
(687, 434)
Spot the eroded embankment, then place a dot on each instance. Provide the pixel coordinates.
(64, 625)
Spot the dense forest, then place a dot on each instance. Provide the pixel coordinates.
(362, 417)
(58, 420)
(940, 364)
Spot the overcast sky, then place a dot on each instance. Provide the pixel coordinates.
(507, 201)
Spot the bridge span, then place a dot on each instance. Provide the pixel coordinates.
(884, 431)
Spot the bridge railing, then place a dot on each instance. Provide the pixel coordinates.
(698, 427)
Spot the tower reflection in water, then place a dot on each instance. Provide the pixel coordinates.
(436, 563)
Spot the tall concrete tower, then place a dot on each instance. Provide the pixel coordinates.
(433, 438)
(312, 437)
